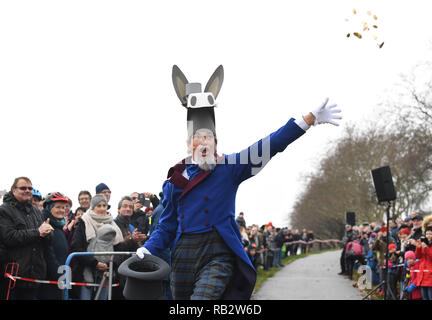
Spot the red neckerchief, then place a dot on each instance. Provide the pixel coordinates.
(175, 176)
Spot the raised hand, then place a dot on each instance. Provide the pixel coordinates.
(326, 114)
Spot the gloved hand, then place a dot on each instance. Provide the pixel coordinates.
(411, 287)
(326, 114)
(141, 252)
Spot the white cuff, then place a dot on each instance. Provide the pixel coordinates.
(302, 124)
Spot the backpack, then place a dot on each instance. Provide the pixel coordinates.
(354, 248)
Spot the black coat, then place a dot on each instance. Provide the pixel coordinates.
(19, 234)
(140, 221)
(57, 252)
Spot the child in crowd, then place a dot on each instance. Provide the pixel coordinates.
(411, 268)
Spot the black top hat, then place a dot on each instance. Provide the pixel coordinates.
(144, 277)
(200, 105)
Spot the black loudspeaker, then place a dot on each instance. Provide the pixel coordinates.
(383, 182)
(350, 218)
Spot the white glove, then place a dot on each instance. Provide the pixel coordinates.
(141, 252)
(327, 114)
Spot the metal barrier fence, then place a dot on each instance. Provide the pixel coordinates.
(68, 277)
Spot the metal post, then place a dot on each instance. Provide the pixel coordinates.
(101, 286)
(386, 273)
(110, 277)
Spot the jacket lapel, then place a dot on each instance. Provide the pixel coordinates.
(175, 175)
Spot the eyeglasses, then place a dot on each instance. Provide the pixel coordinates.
(84, 199)
(25, 188)
(206, 136)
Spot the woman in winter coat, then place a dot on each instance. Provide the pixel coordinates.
(57, 252)
(424, 253)
(85, 238)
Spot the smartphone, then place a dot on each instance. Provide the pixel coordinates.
(142, 199)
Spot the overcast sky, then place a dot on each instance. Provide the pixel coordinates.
(86, 94)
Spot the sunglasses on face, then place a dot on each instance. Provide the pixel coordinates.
(25, 188)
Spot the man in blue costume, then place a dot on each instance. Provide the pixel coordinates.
(198, 220)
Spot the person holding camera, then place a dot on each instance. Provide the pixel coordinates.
(424, 253)
(140, 219)
(416, 231)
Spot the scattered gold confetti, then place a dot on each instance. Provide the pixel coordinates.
(367, 23)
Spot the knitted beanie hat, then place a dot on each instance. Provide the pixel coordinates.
(96, 199)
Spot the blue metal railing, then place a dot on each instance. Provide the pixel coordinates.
(76, 254)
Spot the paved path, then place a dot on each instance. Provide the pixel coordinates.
(314, 277)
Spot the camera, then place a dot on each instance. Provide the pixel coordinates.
(424, 240)
(142, 199)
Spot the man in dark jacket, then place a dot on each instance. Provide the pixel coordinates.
(25, 237)
(416, 232)
(348, 237)
(133, 239)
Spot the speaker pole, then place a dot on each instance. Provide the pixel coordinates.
(386, 273)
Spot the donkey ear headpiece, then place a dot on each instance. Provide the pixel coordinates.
(200, 105)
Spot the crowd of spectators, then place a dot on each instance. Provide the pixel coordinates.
(409, 248)
(267, 245)
(38, 233)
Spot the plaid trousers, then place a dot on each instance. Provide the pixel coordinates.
(202, 265)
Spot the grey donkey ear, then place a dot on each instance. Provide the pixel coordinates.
(215, 82)
(179, 82)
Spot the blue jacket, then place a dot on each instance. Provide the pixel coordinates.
(208, 201)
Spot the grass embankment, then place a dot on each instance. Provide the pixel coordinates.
(263, 275)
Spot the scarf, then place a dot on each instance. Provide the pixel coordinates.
(192, 170)
(94, 221)
(55, 222)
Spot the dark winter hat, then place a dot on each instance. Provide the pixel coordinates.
(418, 217)
(101, 187)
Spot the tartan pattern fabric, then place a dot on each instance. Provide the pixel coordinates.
(202, 266)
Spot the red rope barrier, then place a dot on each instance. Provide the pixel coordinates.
(12, 276)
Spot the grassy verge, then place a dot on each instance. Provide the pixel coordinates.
(263, 275)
